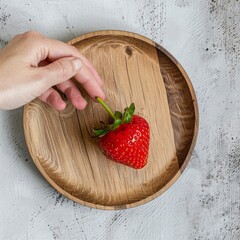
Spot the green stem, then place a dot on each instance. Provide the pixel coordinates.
(106, 107)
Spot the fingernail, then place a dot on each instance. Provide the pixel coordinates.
(77, 62)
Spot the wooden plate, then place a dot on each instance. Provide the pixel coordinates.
(134, 69)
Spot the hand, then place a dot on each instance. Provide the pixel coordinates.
(31, 64)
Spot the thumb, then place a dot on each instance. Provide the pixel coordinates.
(59, 71)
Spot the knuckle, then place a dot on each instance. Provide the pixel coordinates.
(17, 37)
(32, 34)
(75, 50)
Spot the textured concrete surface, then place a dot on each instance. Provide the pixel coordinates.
(205, 202)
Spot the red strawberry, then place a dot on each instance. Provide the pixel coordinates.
(126, 140)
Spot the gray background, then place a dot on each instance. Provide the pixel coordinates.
(205, 202)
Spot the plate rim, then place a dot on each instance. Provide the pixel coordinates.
(192, 146)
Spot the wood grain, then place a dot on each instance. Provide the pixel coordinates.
(134, 69)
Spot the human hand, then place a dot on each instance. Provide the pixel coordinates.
(31, 64)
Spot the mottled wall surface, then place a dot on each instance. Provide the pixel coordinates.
(205, 202)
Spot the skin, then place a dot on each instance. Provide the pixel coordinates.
(31, 64)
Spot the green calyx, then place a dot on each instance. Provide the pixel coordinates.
(117, 117)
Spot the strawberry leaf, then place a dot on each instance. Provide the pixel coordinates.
(98, 131)
(118, 115)
(101, 132)
(127, 115)
(132, 108)
(116, 123)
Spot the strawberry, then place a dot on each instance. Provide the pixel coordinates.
(126, 139)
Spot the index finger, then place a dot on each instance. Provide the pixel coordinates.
(85, 78)
(58, 49)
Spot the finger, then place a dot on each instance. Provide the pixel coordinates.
(58, 71)
(92, 69)
(56, 49)
(85, 77)
(85, 61)
(73, 94)
(52, 98)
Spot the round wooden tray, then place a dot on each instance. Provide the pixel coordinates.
(134, 69)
